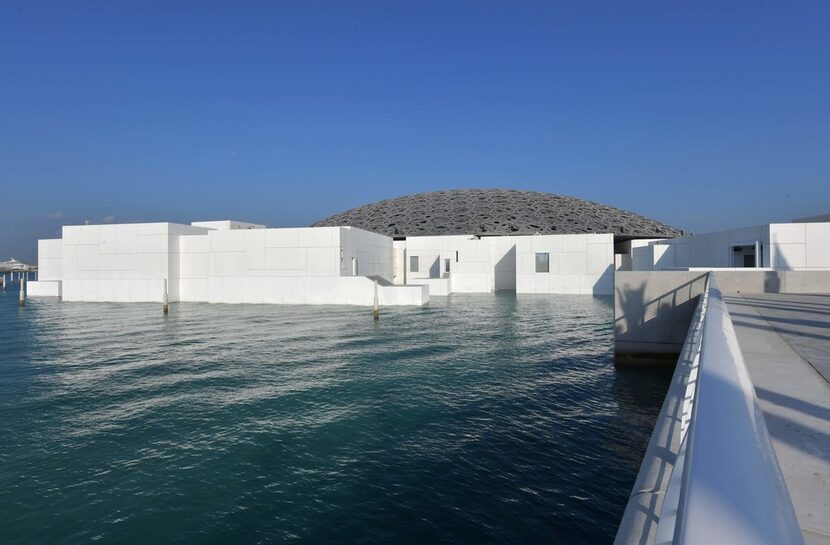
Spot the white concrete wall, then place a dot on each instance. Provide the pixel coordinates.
(372, 251)
(474, 271)
(43, 288)
(228, 262)
(784, 246)
(398, 266)
(299, 265)
(127, 262)
(227, 225)
(579, 264)
(311, 290)
(437, 286)
(471, 261)
(213, 267)
(800, 246)
(503, 256)
(704, 250)
(432, 251)
(625, 251)
(50, 259)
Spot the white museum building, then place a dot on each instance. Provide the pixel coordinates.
(408, 249)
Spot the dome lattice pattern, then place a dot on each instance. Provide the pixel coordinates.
(495, 212)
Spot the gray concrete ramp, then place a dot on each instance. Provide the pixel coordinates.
(785, 340)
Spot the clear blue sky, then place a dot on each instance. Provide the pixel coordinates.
(703, 115)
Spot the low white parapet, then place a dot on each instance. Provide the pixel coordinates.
(437, 286)
(299, 290)
(43, 288)
(403, 295)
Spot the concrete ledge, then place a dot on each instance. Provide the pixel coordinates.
(652, 313)
(653, 309)
(43, 288)
(437, 286)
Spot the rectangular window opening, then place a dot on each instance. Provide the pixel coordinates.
(413, 263)
(542, 262)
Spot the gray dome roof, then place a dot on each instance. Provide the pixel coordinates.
(495, 212)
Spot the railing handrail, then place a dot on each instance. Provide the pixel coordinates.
(732, 491)
(647, 502)
(710, 474)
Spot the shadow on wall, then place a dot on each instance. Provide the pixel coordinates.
(662, 319)
(435, 268)
(506, 271)
(605, 284)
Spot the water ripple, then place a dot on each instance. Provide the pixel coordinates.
(476, 419)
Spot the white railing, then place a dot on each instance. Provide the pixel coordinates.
(710, 474)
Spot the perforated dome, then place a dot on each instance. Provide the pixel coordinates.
(486, 212)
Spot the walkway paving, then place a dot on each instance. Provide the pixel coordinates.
(785, 340)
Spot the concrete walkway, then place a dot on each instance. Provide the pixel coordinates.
(785, 340)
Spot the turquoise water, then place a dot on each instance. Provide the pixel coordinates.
(476, 419)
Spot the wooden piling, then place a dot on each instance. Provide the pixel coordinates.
(22, 293)
(165, 305)
(377, 306)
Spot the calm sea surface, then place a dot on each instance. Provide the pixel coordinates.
(476, 419)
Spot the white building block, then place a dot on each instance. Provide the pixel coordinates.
(43, 288)
(50, 259)
(126, 238)
(817, 246)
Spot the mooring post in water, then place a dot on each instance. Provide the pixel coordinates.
(377, 307)
(22, 293)
(164, 306)
(4, 281)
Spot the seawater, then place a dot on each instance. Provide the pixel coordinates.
(475, 419)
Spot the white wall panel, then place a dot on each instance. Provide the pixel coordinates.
(116, 262)
(285, 258)
(790, 256)
(320, 236)
(293, 290)
(151, 228)
(323, 261)
(152, 244)
(255, 249)
(282, 238)
(575, 243)
(50, 259)
(43, 288)
(150, 266)
(788, 233)
(817, 245)
(227, 241)
(109, 239)
(88, 258)
(126, 238)
(227, 264)
(196, 265)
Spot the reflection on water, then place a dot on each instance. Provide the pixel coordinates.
(476, 419)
